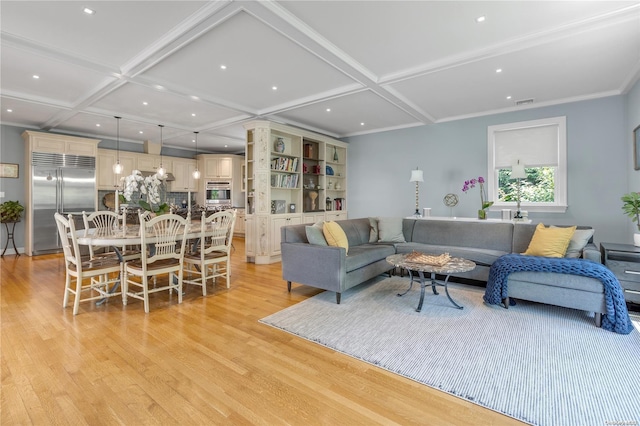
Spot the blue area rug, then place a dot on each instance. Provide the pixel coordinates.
(537, 363)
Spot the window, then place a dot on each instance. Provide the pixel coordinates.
(541, 146)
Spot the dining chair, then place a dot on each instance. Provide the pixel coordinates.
(212, 257)
(103, 220)
(108, 221)
(163, 239)
(93, 276)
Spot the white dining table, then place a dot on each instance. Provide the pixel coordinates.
(121, 236)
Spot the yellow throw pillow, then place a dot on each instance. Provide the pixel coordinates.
(335, 236)
(550, 242)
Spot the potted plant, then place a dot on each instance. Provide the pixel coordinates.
(11, 211)
(631, 207)
(468, 184)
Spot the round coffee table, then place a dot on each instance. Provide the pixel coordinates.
(455, 265)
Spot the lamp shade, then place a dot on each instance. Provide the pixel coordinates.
(517, 171)
(416, 176)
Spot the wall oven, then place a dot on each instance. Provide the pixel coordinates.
(217, 195)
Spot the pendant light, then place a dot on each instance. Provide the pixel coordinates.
(196, 172)
(160, 172)
(117, 167)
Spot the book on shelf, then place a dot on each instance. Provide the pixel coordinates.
(308, 150)
(283, 164)
(284, 181)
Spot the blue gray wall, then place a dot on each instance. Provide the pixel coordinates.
(599, 167)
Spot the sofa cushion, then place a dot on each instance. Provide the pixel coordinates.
(373, 233)
(315, 234)
(357, 230)
(489, 235)
(366, 254)
(578, 242)
(550, 242)
(390, 230)
(335, 235)
(554, 279)
(523, 232)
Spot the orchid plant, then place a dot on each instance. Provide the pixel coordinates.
(135, 186)
(468, 184)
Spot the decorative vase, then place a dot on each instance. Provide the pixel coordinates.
(636, 239)
(335, 154)
(279, 145)
(482, 214)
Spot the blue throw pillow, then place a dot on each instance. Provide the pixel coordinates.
(390, 230)
(315, 234)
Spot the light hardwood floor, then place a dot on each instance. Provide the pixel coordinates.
(206, 361)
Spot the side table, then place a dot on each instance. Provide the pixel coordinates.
(10, 237)
(624, 261)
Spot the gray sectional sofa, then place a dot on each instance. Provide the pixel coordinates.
(330, 268)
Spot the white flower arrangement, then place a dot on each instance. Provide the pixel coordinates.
(135, 186)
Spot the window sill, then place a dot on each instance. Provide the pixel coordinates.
(529, 208)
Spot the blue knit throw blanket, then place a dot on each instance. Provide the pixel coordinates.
(617, 317)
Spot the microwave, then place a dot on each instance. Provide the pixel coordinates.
(217, 193)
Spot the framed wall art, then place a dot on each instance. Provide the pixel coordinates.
(9, 170)
(636, 148)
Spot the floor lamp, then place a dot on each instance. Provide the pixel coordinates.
(517, 172)
(416, 176)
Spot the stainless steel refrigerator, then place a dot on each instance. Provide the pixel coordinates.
(61, 183)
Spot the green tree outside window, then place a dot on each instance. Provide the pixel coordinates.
(539, 186)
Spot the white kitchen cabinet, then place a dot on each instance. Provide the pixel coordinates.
(106, 178)
(182, 170)
(218, 167)
(60, 144)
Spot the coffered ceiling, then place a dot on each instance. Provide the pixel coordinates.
(336, 67)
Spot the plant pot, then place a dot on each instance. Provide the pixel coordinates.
(482, 214)
(636, 239)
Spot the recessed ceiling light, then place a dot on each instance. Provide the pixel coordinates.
(98, 125)
(274, 88)
(328, 109)
(88, 11)
(481, 19)
(195, 98)
(159, 87)
(141, 132)
(362, 124)
(36, 76)
(193, 114)
(508, 97)
(499, 70)
(226, 146)
(223, 67)
(9, 110)
(145, 103)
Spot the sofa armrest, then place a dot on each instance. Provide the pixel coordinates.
(592, 253)
(318, 266)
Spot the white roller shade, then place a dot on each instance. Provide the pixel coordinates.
(533, 146)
